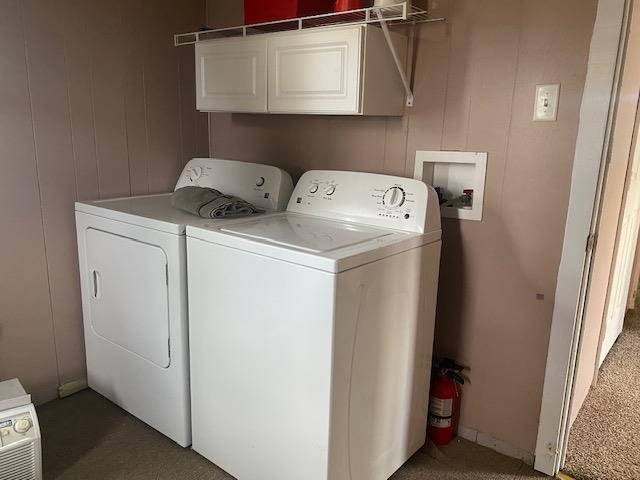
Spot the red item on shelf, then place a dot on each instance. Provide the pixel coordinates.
(346, 5)
(261, 11)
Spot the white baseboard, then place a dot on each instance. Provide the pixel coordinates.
(70, 388)
(468, 433)
(496, 444)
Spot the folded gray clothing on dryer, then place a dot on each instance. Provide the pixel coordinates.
(210, 203)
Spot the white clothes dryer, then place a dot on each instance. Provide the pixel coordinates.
(132, 255)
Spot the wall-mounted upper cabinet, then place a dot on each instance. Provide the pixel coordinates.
(337, 71)
(231, 75)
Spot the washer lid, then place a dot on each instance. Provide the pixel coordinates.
(307, 240)
(307, 233)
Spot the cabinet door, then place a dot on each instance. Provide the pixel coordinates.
(231, 75)
(317, 72)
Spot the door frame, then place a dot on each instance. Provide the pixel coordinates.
(633, 158)
(606, 56)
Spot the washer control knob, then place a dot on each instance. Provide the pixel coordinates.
(22, 425)
(394, 197)
(259, 181)
(313, 188)
(331, 189)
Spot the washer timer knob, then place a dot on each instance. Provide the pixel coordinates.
(259, 181)
(393, 197)
(313, 188)
(331, 189)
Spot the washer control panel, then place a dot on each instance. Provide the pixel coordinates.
(381, 200)
(16, 427)
(264, 186)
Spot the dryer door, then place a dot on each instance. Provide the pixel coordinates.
(129, 294)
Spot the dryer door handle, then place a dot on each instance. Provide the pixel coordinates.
(95, 275)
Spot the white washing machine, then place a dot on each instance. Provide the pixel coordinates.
(313, 360)
(132, 254)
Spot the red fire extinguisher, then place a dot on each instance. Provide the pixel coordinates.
(444, 401)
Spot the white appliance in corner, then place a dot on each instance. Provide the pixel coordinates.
(132, 256)
(313, 360)
(20, 441)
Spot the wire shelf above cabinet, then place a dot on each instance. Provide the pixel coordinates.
(400, 13)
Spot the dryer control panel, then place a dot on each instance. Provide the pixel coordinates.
(382, 200)
(264, 186)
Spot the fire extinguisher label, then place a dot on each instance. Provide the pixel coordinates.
(438, 422)
(441, 407)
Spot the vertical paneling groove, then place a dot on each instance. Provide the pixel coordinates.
(56, 174)
(107, 74)
(511, 116)
(77, 55)
(181, 23)
(162, 95)
(40, 194)
(181, 120)
(193, 126)
(459, 83)
(74, 126)
(134, 27)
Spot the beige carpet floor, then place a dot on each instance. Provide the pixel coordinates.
(87, 437)
(604, 442)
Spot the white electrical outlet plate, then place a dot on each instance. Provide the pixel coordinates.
(546, 104)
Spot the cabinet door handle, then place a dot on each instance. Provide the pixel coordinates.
(96, 283)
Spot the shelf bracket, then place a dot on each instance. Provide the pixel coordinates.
(396, 59)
